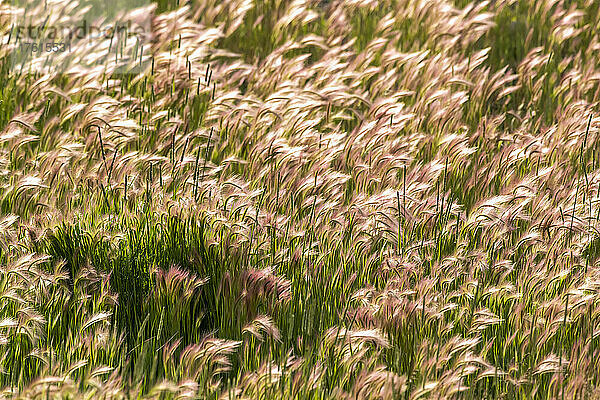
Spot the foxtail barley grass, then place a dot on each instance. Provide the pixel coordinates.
(282, 199)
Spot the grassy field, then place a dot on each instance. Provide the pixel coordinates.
(285, 199)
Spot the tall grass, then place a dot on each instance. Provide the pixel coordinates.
(311, 200)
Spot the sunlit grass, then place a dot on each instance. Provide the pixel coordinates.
(310, 200)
